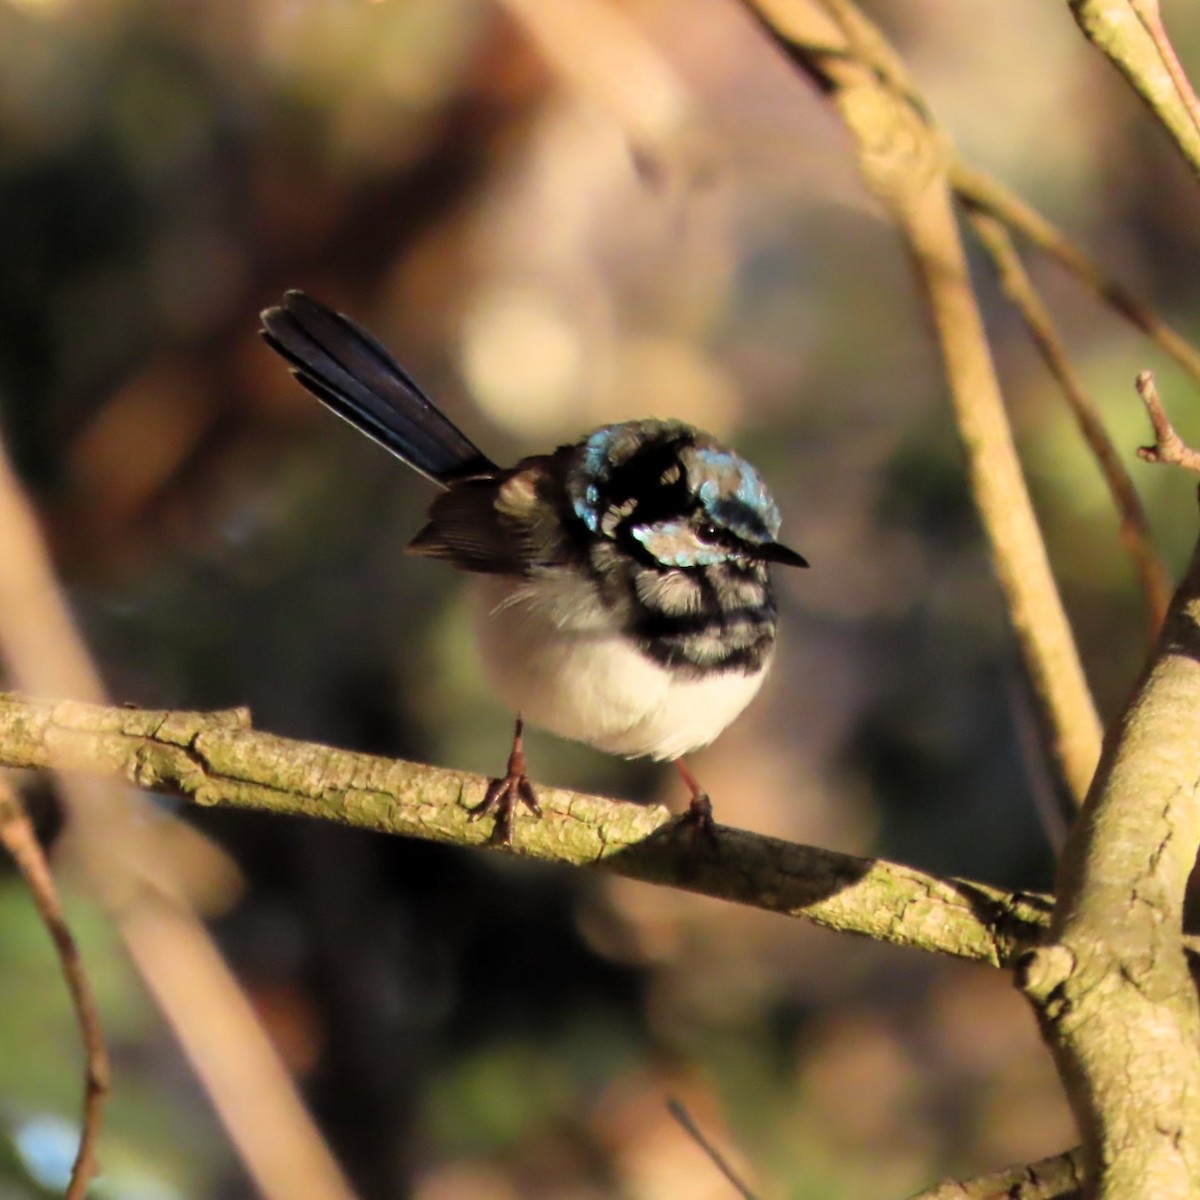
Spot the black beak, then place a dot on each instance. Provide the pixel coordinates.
(777, 553)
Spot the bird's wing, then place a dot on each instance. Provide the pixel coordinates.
(506, 524)
(466, 529)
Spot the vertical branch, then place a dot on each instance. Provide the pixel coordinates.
(1112, 990)
(1018, 552)
(19, 839)
(906, 164)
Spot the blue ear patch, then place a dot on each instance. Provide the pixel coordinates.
(674, 544)
(585, 479)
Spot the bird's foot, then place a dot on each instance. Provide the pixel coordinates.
(699, 815)
(502, 794)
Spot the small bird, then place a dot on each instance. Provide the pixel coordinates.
(622, 590)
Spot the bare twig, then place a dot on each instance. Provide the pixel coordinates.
(978, 190)
(18, 837)
(676, 1108)
(1168, 446)
(1135, 528)
(1059, 1177)
(216, 759)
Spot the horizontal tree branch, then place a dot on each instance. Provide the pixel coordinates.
(217, 759)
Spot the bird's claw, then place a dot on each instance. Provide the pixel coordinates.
(698, 820)
(501, 797)
(503, 794)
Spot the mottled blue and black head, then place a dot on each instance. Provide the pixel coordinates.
(674, 497)
(672, 531)
(687, 528)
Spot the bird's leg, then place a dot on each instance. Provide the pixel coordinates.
(503, 794)
(699, 813)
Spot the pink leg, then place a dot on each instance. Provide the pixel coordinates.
(700, 811)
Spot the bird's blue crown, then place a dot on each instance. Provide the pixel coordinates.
(680, 495)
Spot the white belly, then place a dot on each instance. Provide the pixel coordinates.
(551, 655)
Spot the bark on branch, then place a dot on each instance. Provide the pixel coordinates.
(217, 759)
(1113, 991)
(1059, 1177)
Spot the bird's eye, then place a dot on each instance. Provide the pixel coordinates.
(708, 532)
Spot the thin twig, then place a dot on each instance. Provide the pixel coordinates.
(1168, 446)
(978, 190)
(18, 837)
(1135, 528)
(676, 1108)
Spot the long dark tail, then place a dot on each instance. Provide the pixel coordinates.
(348, 370)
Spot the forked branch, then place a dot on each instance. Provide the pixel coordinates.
(1168, 446)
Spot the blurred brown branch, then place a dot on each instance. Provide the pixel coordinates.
(131, 865)
(1059, 1177)
(906, 162)
(216, 759)
(979, 191)
(20, 840)
(1135, 527)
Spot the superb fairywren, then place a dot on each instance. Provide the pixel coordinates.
(623, 597)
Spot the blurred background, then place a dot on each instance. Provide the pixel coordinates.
(557, 215)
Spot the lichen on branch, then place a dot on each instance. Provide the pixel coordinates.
(218, 759)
